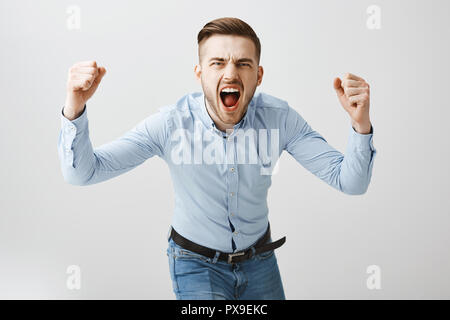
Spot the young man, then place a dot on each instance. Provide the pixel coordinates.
(221, 147)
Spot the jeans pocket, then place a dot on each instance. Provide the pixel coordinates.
(187, 254)
(181, 253)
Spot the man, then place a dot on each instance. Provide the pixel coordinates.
(221, 147)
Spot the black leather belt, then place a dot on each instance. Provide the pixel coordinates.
(260, 247)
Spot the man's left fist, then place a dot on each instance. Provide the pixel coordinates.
(354, 94)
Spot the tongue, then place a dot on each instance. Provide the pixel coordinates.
(230, 99)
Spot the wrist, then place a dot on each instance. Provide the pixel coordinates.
(362, 128)
(72, 113)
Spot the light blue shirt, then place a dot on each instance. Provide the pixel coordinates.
(220, 182)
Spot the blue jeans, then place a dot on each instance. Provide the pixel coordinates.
(195, 276)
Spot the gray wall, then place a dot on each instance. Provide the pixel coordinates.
(116, 231)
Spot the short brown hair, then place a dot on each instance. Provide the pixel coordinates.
(229, 26)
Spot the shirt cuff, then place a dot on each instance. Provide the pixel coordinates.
(362, 142)
(78, 125)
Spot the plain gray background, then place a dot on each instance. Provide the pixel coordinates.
(116, 230)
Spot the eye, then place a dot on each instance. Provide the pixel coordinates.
(216, 62)
(246, 64)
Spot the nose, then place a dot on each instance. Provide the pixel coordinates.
(230, 72)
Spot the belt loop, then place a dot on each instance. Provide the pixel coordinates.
(216, 257)
(253, 251)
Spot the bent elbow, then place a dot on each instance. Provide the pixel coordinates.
(75, 179)
(75, 182)
(355, 191)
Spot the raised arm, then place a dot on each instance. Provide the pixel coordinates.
(83, 165)
(351, 173)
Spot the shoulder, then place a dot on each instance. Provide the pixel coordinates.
(265, 101)
(269, 109)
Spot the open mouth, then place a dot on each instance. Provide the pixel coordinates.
(230, 98)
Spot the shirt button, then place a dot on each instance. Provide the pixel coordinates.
(232, 169)
(231, 214)
(235, 232)
(231, 194)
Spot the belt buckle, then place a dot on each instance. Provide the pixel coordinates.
(231, 255)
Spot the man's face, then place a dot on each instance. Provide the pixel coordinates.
(228, 61)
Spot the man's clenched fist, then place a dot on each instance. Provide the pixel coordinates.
(354, 94)
(83, 79)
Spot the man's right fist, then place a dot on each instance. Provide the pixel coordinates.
(83, 79)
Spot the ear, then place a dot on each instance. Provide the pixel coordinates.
(198, 72)
(260, 75)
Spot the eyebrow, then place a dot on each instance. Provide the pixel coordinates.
(239, 60)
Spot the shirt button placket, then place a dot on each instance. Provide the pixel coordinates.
(233, 187)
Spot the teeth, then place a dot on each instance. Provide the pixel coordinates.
(230, 90)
